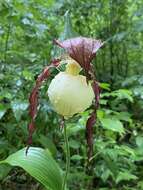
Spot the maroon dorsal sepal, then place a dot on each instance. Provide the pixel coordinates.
(82, 50)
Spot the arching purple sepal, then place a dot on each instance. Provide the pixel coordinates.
(81, 49)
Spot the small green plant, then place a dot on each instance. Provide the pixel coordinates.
(70, 93)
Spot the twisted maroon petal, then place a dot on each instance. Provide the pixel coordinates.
(92, 120)
(81, 49)
(96, 90)
(33, 100)
(89, 134)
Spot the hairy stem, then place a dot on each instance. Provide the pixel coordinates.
(67, 157)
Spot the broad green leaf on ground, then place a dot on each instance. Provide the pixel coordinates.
(112, 124)
(39, 164)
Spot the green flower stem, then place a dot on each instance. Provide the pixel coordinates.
(67, 157)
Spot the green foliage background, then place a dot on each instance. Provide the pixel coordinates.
(27, 29)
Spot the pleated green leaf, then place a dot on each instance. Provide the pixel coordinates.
(39, 164)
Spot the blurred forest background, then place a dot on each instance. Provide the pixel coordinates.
(27, 30)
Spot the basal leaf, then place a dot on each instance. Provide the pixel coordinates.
(39, 164)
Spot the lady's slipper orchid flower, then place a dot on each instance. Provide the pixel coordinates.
(69, 92)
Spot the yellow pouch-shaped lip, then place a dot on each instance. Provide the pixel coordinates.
(69, 92)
